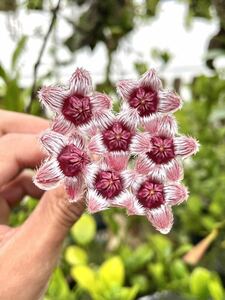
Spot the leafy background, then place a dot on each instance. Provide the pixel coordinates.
(109, 256)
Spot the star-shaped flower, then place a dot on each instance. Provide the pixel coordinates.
(77, 107)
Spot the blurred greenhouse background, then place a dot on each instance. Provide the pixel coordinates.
(110, 256)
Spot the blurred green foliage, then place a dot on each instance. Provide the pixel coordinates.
(114, 257)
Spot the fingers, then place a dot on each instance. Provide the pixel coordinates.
(13, 122)
(4, 212)
(18, 188)
(17, 152)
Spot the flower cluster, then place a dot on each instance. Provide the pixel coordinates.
(91, 149)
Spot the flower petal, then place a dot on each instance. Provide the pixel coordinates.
(96, 146)
(168, 102)
(162, 124)
(174, 170)
(141, 143)
(90, 175)
(48, 176)
(116, 160)
(74, 188)
(142, 165)
(77, 140)
(61, 125)
(161, 218)
(146, 166)
(100, 102)
(151, 80)
(130, 115)
(80, 82)
(175, 193)
(52, 97)
(128, 201)
(52, 141)
(127, 178)
(185, 146)
(95, 202)
(125, 88)
(103, 118)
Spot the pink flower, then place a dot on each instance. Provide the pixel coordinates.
(145, 97)
(160, 150)
(78, 106)
(67, 163)
(105, 187)
(154, 198)
(113, 141)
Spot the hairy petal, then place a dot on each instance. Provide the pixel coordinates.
(151, 80)
(168, 102)
(117, 161)
(128, 201)
(61, 125)
(130, 115)
(48, 176)
(142, 165)
(161, 218)
(141, 143)
(103, 118)
(100, 101)
(80, 82)
(52, 97)
(74, 188)
(162, 124)
(125, 88)
(185, 146)
(95, 202)
(52, 141)
(174, 170)
(76, 140)
(91, 173)
(96, 145)
(175, 193)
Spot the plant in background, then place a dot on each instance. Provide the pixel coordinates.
(100, 145)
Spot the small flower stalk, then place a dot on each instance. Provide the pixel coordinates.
(90, 148)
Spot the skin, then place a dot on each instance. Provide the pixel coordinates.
(30, 252)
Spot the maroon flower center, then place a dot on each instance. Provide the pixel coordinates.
(162, 150)
(72, 160)
(77, 109)
(117, 137)
(150, 194)
(145, 100)
(108, 184)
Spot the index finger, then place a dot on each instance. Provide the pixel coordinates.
(18, 152)
(13, 122)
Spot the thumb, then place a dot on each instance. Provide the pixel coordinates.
(55, 215)
(37, 244)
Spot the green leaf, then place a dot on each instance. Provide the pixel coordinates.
(138, 258)
(216, 288)
(112, 272)
(151, 6)
(178, 269)
(84, 230)
(199, 281)
(13, 99)
(157, 270)
(58, 287)
(17, 52)
(128, 293)
(3, 73)
(85, 277)
(75, 256)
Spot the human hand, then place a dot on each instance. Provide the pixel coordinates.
(28, 253)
